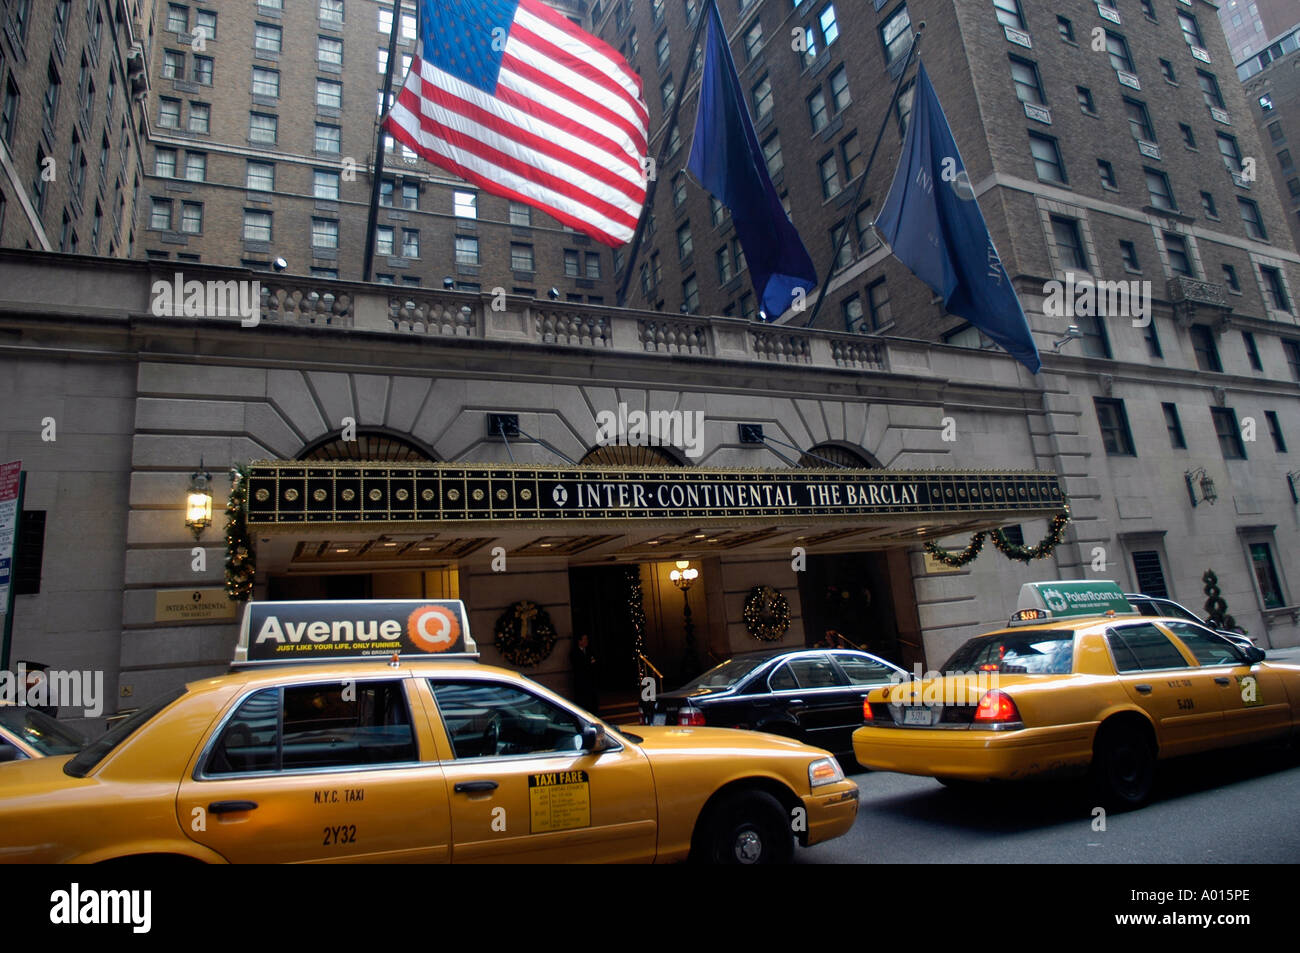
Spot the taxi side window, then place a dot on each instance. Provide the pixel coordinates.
(1138, 648)
(782, 680)
(337, 725)
(864, 671)
(1208, 647)
(816, 671)
(490, 719)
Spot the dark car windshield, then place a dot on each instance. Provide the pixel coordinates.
(1032, 653)
(39, 730)
(95, 752)
(724, 676)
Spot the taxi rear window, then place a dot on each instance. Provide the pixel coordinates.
(97, 751)
(1020, 653)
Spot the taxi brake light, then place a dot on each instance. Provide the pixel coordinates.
(690, 716)
(996, 707)
(866, 711)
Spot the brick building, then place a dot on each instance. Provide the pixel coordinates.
(1273, 92)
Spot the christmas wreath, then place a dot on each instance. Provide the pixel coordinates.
(241, 561)
(524, 634)
(767, 614)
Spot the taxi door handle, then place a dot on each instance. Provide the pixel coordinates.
(472, 787)
(1221, 680)
(230, 807)
(1143, 689)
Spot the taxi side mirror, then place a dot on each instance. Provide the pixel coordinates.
(1253, 654)
(593, 738)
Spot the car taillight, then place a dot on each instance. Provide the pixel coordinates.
(996, 708)
(866, 711)
(690, 716)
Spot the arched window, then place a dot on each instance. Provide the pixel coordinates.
(619, 455)
(834, 455)
(372, 444)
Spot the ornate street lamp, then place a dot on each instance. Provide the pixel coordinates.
(198, 504)
(683, 578)
(1199, 479)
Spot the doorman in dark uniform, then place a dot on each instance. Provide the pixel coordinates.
(584, 673)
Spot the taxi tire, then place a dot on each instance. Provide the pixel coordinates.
(743, 820)
(1123, 766)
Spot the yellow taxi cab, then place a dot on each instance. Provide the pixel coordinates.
(1079, 682)
(367, 731)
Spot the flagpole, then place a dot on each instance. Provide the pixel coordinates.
(659, 160)
(862, 179)
(372, 222)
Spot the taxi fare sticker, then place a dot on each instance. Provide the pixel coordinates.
(559, 801)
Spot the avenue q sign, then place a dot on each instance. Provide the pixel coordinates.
(297, 493)
(354, 629)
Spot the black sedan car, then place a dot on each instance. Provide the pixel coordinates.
(814, 695)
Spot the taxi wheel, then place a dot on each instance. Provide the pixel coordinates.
(748, 827)
(1124, 766)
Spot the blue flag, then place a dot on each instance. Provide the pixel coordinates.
(933, 225)
(727, 160)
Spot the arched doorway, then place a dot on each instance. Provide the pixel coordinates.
(371, 444)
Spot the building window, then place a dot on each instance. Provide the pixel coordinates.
(329, 51)
(331, 11)
(1107, 173)
(160, 214)
(851, 308)
(1180, 260)
(830, 28)
(1069, 243)
(817, 110)
(1189, 138)
(1275, 431)
(1228, 432)
(840, 96)
(1266, 575)
(266, 82)
(1147, 574)
(267, 38)
(1084, 95)
(718, 213)
(1292, 350)
(1115, 434)
(1250, 219)
(1191, 29)
(691, 295)
(196, 166)
(1095, 342)
(896, 35)
(1207, 351)
(772, 155)
(843, 250)
(1009, 14)
(385, 240)
(260, 177)
(1207, 205)
(1274, 289)
(1152, 339)
(521, 215)
(465, 204)
(1158, 190)
(466, 250)
(1230, 279)
(202, 70)
(1065, 28)
(1175, 427)
(571, 262)
(164, 163)
(200, 114)
(521, 257)
(329, 94)
(878, 304)
(1047, 159)
(829, 173)
(328, 138)
(851, 149)
(169, 113)
(685, 244)
(722, 258)
(1139, 121)
(1117, 50)
(666, 93)
(753, 39)
(1230, 152)
(1028, 84)
(257, 225)
(324, 233)
(674, 140)
(593, 265)
(262, 127)
(325, 185)
(1252, 351)
(1128, 252)
(1209, 84)
(178, 18)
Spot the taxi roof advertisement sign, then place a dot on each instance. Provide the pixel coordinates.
(365, 629)
(1074, 597)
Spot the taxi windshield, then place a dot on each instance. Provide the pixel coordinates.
(1026, 653)
(724, 676)
(95, 752)
(39, 730)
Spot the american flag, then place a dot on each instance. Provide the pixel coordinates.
(512, 97)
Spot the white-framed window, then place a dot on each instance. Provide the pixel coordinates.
(325, 185)
(260, 176)
(465, 204)
(324, 233)
(257, 225)
(192, 218)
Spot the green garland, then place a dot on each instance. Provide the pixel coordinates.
(241, 560)
(524, 634)
(1044, 548)
(636, 616)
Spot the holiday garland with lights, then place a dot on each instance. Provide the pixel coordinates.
(636, 616)
(524, 634)
(241, 561)
(767, 614)
(1041, 550)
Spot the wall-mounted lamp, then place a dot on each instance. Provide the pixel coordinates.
(1293, 481)
(448, 283)
(1199, 479)
(683, 576)
(1072, 332)
(198, 503)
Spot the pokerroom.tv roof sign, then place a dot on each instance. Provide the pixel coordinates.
(287, 493)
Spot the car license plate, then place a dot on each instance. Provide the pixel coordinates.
(916, 716)
(659, 719)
